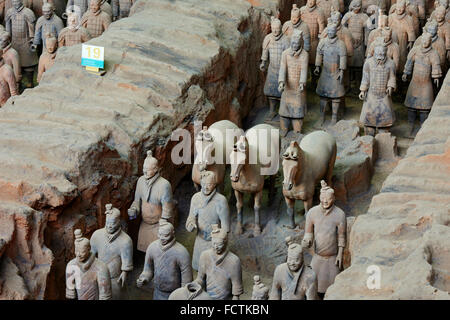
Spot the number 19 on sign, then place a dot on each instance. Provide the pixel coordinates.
(92, 57)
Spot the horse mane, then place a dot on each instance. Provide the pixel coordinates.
(293, 151)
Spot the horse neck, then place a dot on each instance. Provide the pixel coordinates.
(300, 166)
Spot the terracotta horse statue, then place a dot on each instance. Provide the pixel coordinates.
(246, 174)
(304, 166)
(212, 147)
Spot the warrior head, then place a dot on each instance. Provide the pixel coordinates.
(431, 27)
(311, 3)
(150, 167)
(294, 256)
(326, 196)
(72, 20)
(296, 40)
(335, 18)
(260, 291)
(380, 56)
(387, 35)
(275, 25)
(112, 224)
(166, 232)
(355, 6)
(219, 239)
(439, 13)
(295, 14)
(208, 182)
(47, 10)
(5, 40)
(17, 4)
(51, 43)
(400, 7)
(426, 40)
(382, 21)
(94, 5)
(331, 31)
(82, 246)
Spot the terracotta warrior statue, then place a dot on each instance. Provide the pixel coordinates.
(314, 18)
(87, 278)
(106, 8)
(153, 200)
(19, 23)
(95, 20)
(403, 30)
(260, 291)
(437, 43)
(273, 46)
(424, 65)
(293, 280)
(355, 21)
(412, 11)
(383, 5)
(8, 85)
(437, 4)
(373, 12)
(167, 263)
(73, 34)
(208, 207)
(49, 22)
(296, 23)
(121, 8)
(393, 51)
(114, 247)
(345, 35)
(377, 85)
(292, 84)
(332, 57)
(443, 28)
(220, 270)
(47, 58)
(326, 226)
(10, 55)
(191, 291)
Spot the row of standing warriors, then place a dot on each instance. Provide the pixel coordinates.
(22, 36)
(101, 265)
(377, 45)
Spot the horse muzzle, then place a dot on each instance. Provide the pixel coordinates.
(234, 178)
(287, 186)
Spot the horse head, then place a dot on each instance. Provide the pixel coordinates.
(238, 158)
(291, 165)
(204, 147)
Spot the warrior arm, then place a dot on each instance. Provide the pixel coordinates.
(106, 21)
(320, 21)
(12, 84)
(304, 69)
(104, 284)
(365, 81)
(319, 54)
(86, 36)
(236, 280)
(343, 58)
(283, 68)
(167, 203)
(392, 82)
(71, 292)
(201, 275)
(409, 63)
(306, 37)
(311, 290)
(148, 264)
(126, 256)
(275, 292)
(348, 45)
(345, 19)
(265, 49)
(410, 31)
(184, 263)
(192, 218)
(61, 40)
(38, 34)
(224, 214)
(309, 231)
(436, 70)
(8, 23)
(342, 230)
(16, 67)
(136, 205)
